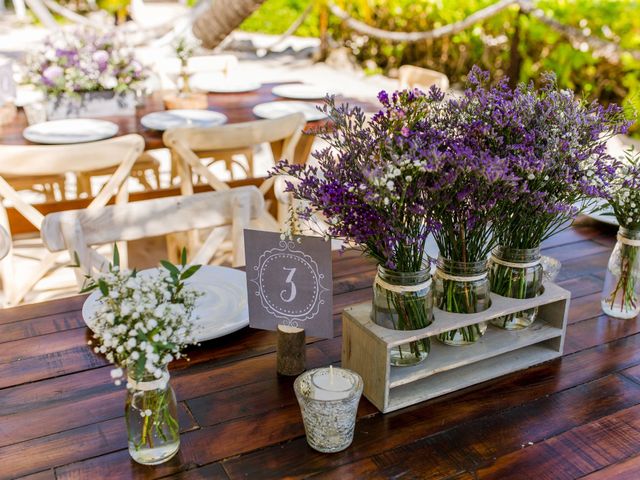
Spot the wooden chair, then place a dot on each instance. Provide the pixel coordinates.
(188, 145)
(5, 243)
(410, 76)
(226, 213)
(28, 161)
(146, 163)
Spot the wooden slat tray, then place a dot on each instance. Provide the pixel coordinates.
(367, 346)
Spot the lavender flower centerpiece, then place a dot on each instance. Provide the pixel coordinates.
(369, 185)
(621, 293)
(554, 149)
(86, 73)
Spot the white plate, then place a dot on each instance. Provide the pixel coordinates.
(75, 130)
(601, 215)
(182, 118)
(301, 91)
(216, 84)
(280, 109)
(222, 309)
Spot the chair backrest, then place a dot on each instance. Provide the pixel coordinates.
(5, 242)
(227, 212)
(410, 76)
(186, 142)
(120, 152)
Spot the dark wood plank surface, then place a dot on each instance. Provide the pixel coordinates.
(578, 416)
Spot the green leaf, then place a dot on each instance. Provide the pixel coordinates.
(189, 272)
(116, 255)
(183, 256)
(76, 260)
(103, 287)
(171, 267)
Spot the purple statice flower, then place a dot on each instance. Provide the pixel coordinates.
(553, 145)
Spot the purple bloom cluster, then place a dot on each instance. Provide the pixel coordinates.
(84, 60)
(553, 145)
(495, 165)
(623, 194)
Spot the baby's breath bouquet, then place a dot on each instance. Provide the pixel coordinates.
(621, 295)
(144, 320)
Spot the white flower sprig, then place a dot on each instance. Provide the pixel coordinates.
(624, 192)
(144, 320)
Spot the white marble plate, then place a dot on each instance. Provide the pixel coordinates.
(217, 84)
(301, 91)
(74, 130)
(182, 118)
(222, 309)
(280, 109)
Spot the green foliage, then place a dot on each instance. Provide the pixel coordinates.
(275, 16)
(486, 44)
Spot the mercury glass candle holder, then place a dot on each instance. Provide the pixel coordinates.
(328, 399)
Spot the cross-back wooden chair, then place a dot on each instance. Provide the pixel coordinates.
(188, 145)
(410, 76)
(24, 161)
(5, 243)
(226, 213)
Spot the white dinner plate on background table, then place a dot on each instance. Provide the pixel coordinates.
(222, 309)
(272, 110)
(182, 118)
(301, 91)
(217, 84)
(602, 214)
(73, 130)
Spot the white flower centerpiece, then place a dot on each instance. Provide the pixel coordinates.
(86, 73)
(144, 321)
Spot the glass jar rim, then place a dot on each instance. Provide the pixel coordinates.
(508, 253)
(456, 263)
(356, 390)
(630, 233)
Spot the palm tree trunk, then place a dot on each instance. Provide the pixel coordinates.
(221, 18)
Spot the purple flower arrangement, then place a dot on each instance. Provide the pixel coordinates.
(370, 182)
(84, 60)
(494, 166)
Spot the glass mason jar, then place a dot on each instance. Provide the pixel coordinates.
(152, 419)
(404, 301)
(462, 287)
(516, 273)
(621, 294)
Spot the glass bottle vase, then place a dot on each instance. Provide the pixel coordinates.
(404, 301)
(462, 287)
(152, 419)
(621, 293)
(516, 273)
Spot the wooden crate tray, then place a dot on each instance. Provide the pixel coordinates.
(366, 349)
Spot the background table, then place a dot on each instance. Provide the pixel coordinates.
(61, 416)
(238, 107)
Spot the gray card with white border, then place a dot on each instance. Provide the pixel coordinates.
(289, 282)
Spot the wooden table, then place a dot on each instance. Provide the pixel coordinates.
(60, 415)
(236, 106)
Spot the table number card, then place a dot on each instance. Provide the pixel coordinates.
(289, 282)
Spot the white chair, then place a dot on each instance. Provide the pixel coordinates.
(5, 243)
(410, 76)
(30, 161)
(189, 145)
(226, 213)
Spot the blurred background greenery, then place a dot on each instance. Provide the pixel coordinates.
(486, 44)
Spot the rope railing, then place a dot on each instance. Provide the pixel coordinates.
(600, 48)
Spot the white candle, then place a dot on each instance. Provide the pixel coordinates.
(332, 384)
(328, 399)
